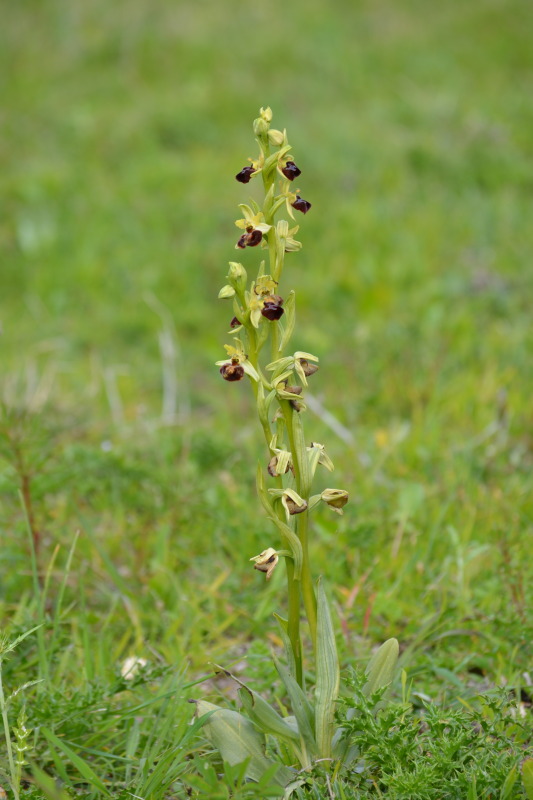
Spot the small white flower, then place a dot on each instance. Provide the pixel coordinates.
(131, 667)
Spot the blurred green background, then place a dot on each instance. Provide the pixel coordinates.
(123, 125)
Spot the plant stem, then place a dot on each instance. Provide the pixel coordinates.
(293, 586)
(308, 591)
(7, 735)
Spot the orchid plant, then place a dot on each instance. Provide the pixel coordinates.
(262, 325)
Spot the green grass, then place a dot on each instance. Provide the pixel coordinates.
(123, 127)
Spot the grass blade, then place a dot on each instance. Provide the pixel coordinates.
(83, 768)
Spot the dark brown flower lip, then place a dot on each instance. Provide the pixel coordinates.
(293, 508)
(293, 389)
(251, 238)
(301, 205)
(235, 323)
(308, 367)
(265, 566)
(254, 237)
(291, 171)
(245, 174)
(272, 311)
(232, 372)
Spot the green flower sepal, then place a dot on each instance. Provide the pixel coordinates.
(299, 363)
(251, 220)
(317, 455)
(290, 500)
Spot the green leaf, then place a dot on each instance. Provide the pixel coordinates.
(527, 777)
(472, 790)
(83, 768)
(509, 782)
(303, 711)
(327, 675)
(290, 318)
(48, 786)
(380, 669)
(264, 716)
(287, 644)
(236, 738)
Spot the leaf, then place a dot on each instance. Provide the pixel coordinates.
(527, 777)
(508, 784)
(327, 675)
(289, 653)
(259, 711)
(264, 716)
(380, 669)
(48, 786)
(290, 318)
(472, 790)
(83, 768)
(236, 738)
(303, 711)
(8, 647)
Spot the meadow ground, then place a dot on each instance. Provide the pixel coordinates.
(132, 462)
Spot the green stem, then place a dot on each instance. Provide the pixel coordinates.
(308, 592)
(293, 586)
(293, 628)
(7, 735)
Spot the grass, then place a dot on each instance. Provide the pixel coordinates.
(121, 450)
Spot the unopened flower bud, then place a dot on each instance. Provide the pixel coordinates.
(237, 276)
(245, 174)
(232, 371)
(266, 561)
(226, 293)
(301, 205)
(260, 127)
(335, 498)
(276, 137)
(291, 171)
(266, 114)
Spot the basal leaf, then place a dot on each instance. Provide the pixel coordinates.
(236, 738)
(327, 675)
(302, 708)
(527, 777)
(380, 669)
